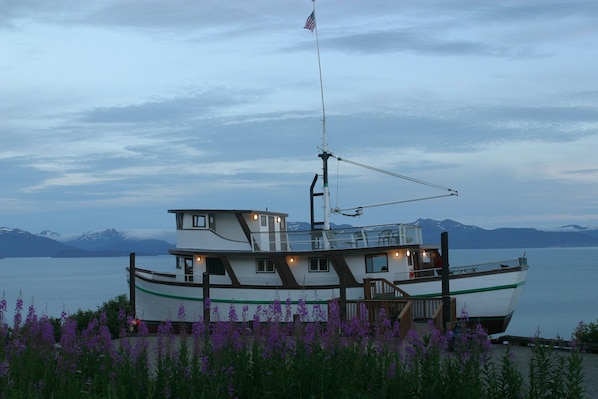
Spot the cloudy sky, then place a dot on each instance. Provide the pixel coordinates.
(114, 111)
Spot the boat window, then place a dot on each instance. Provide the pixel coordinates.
(318, 265)
(199, 221)
(376, 263)
(264, 220)
(264, 266)
(426, 256)
(215, 266)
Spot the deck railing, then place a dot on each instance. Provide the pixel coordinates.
(480, 267)
(352, 237)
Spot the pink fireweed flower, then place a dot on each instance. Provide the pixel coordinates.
(333, 327)
(70, 347)
(464, 315)
(275, 311)
(47, 331)
(257, 316)
(220, 335)
(165, 340)
(18, 318)
(245, 314)
(318, 313)
(3, 307)
(215, 313)
(182, 314)
(31, 316)
(288, 317)
(232, 314)
(302, 310)
(122, 315)
(309, 337)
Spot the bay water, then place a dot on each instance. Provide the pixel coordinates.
(561, 288)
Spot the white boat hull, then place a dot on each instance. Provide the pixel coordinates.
(487, 297)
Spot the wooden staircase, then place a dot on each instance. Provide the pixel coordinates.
(384, 300)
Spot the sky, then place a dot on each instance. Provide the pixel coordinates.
(114, 111)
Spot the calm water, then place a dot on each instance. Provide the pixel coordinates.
(560, 289)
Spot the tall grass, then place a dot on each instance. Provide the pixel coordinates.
(285, 357)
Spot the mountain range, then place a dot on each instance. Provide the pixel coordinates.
(20, 243)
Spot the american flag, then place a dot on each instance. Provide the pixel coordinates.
(311, 22)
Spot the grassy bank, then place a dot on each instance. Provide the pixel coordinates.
(45, 358)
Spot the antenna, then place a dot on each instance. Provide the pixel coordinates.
(312, 25)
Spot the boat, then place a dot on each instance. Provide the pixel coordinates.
(242, 261)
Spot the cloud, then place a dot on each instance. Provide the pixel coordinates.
(202, 105)
(127, 106)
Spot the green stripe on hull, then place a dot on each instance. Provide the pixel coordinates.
(262, 302)
(473, 291)
(231, 301)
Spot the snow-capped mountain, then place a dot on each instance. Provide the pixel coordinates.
(110, 242)
(20, 243)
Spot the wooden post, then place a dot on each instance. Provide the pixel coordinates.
(367, 288)
(446, 292)
(206, 296)
(343, 298)
(132, 307)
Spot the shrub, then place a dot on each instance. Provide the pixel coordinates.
(281, 358)
(586, 333)
(113, 310)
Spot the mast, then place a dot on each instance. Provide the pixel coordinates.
(312, 25)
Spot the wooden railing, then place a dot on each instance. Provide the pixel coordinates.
(379, 288)
(404, 310)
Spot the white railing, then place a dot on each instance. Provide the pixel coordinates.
(481, 267)
(352, 237)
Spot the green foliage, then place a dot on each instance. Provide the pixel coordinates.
(554, 376)
(111, 308)
(278, 359)
(586, 333)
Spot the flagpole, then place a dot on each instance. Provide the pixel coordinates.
(324, 141)
(324, 155)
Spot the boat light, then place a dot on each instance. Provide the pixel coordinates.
(198, 259)
(256, 216)
(408, 253)
(292, 259)
(397, 254)
(277, 219)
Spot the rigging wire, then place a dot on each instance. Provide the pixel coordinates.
(359, 209)
(411, 179)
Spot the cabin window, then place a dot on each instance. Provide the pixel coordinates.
(318, 265)
(426, 256)
(215, 266)
(376, 263)
(199, 221)
(264, 220)
(264, 266)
